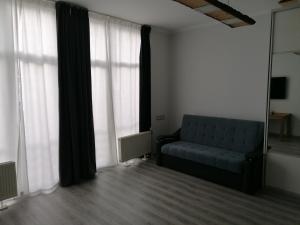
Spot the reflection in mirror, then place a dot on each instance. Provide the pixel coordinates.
(284, 111)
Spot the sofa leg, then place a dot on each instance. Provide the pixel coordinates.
(158, 161)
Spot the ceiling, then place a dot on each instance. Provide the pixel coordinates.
(168, 14)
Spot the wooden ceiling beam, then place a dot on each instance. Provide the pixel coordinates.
(194, 4)
(219, 11)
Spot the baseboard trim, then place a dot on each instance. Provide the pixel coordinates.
(277, 190)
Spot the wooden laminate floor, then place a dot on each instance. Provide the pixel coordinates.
(289, 146)
(147, 194)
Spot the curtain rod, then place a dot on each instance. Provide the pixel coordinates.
(92, 11)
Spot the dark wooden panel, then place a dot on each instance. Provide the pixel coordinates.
(193, 3)
(220, 15)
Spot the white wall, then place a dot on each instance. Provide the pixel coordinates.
(219, 71)
(160, 69)
(283, 172)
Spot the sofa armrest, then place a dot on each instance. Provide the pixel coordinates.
(174, 136)
(165, 139)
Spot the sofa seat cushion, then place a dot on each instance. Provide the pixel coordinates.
(207, 155)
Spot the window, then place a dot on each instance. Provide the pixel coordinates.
(37, 57)
(125, 49)
(29, 108)
(8, 86)
(115, 47)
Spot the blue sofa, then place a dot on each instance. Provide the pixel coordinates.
(225, 151)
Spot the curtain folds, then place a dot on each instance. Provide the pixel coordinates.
(145, 80)
(47, 124)
(76, 130)
(37, 60)
(124, 46)
(8, 86)
(104, 124)
(28, 98)
(115, 48)
(30, 105)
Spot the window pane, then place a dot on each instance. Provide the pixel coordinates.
(8, 86)
(115, 47)
(125, 42)
(103, 126)
(98, 38)
(37, 36)
(126, 99)
(37, 54)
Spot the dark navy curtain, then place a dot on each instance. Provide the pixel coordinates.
(145, 79)
(76, 130)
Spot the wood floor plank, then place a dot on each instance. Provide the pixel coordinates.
(219, 205)
(231, 199)
(194, 184)
(145, 194)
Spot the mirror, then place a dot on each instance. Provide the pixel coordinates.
(284, 94)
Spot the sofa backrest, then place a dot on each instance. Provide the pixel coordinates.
(235, 135)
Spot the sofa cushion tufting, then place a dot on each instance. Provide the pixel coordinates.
(211, 156)
(231, 134)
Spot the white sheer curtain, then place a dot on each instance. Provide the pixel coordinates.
(125, 44)
(104, 126)
(11, 126)
(115, 47)
(29, 92)
(37, 56)
(8, 86)
(29, 89)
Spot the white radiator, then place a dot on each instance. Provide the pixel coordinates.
(134, 146)
(8, 181)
